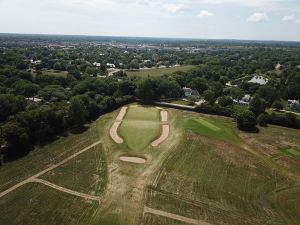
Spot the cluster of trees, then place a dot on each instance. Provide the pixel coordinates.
(79, 96)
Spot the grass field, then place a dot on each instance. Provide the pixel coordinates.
(206, 170)
(87, 173)
(159, 71)
(196, 182)
(41, 157)
(36, 204)
(140, 126)
(211, 128)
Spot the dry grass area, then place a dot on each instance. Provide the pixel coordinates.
(205, 171)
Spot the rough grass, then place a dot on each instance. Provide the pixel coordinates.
(159, 71)
(86, 173)
(292, 152)
(140, 126)
(36, 204)
(40, 158)
(196, 182)
(211, 128)
(150, 219)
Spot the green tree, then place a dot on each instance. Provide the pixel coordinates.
(225, 101)
(15, 136)
(246, 120)
(209, 96)
(257, 106)
(77, 112)
(147, 90)
(277, 105)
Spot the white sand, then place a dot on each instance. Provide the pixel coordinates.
(164, 135)
(136, 160)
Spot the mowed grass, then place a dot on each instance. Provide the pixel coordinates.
(292, 152)
(36, 204)
(156, 72)
(140, 127)
(210, 127)
(86, 173)
(196, 182)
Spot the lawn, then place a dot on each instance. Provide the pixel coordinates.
(86, 173)
(140, 127)
(210, 127)
(198, 183)
(36, 204)
(156, 72)
(292, 152)
(179, 102)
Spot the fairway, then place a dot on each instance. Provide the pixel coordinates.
(140, 126)
(156, 72)
(208, 127)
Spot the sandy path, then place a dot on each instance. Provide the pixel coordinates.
(164, 135)
(174, 216)
(31, 179)
(164, 116)
(114, 129)
(136, 160)
(66, 190)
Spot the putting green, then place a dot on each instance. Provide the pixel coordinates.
(207, 124)
(140, 127)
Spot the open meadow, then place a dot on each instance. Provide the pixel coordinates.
(205, 172)
(155, 72)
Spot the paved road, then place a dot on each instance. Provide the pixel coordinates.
(32, 179)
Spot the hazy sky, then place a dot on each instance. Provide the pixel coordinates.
(230, 19)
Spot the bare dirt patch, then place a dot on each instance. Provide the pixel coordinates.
(164, 135)
(133, 159)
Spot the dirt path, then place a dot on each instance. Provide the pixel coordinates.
(174, 216)
(66, 190)
(31, 179)
(114, 129)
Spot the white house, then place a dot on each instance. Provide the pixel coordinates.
(294, 104)
(258, 80)
(110, 65)
(244, 101)
(190, 92)
(96, 64)
(187, 91)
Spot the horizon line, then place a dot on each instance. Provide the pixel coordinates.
(150, 37)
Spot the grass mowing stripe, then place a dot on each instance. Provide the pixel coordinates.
(207, 124)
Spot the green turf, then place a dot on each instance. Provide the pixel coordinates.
(36, 204)
(159, 71)
(196, 182)
(212, 128)
(292, 152)
(207, 124)
(140, 126)
(86, 173)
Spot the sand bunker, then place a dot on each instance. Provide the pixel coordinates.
(164, 116)
(130, 159)
(114, 129)
(121, 114)
(164, 135)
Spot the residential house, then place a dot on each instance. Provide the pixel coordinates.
(258, 80)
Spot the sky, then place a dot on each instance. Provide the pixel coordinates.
(201, 19)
